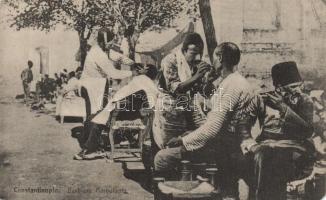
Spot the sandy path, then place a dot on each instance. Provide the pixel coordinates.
(36, 152)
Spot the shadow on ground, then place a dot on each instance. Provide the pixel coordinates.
(132, 168)
(4, 163)
(77, 133)
(4, 159)
(141, 176)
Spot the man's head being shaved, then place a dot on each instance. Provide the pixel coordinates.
(227, 53)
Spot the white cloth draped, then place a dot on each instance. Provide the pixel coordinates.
(138, 83)
(184, 70)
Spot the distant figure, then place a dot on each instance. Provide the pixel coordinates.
(58, 80)
(72, 85)
(64, 76)
(48, 87)
(27, 78)
(79, 72)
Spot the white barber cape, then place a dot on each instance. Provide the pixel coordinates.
(138, 83)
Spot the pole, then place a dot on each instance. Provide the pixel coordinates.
(209, 30)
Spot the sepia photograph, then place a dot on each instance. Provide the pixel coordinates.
(163, 99)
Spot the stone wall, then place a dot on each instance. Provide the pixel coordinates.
(298, 34)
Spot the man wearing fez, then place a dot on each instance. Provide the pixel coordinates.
(282, 152)
(221, 130)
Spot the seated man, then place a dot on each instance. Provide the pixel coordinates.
(72, 84)
(91, 147)
(230, 106)
(68, 96)
(283, 151)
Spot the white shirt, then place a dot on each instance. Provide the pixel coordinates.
(73, 84)
(230, 102)
(98, 65)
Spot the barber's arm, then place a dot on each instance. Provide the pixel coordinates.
(118, 57)
(185, 86)
(107, 66)
(172, 79)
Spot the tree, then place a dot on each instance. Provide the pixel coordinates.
(206, 16)
(82, 16)
(137, 16)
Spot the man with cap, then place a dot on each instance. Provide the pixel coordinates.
(283, 151)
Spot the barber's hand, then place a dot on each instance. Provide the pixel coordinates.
(174, 142)
(275, 101)
(203, 68)
(256, 148)
(213, 75)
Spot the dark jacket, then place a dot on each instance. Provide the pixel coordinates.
(292, 129)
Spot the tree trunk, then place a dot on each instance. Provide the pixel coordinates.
(132, 41)
(83, 51)
(206, 16)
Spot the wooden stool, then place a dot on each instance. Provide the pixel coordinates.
(147, 115)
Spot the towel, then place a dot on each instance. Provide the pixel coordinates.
(184, 70)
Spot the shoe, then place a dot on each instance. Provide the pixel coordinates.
(94, 155)
(80, 155)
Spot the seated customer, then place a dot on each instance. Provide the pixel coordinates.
(221, 130)
(283, 151)
(91, 147)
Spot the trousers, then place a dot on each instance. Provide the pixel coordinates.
(266, 172)
(26, 87)
(221, 152)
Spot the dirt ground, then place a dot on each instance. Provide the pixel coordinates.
(36, 162)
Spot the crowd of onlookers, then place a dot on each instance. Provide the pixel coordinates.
(48, 88)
